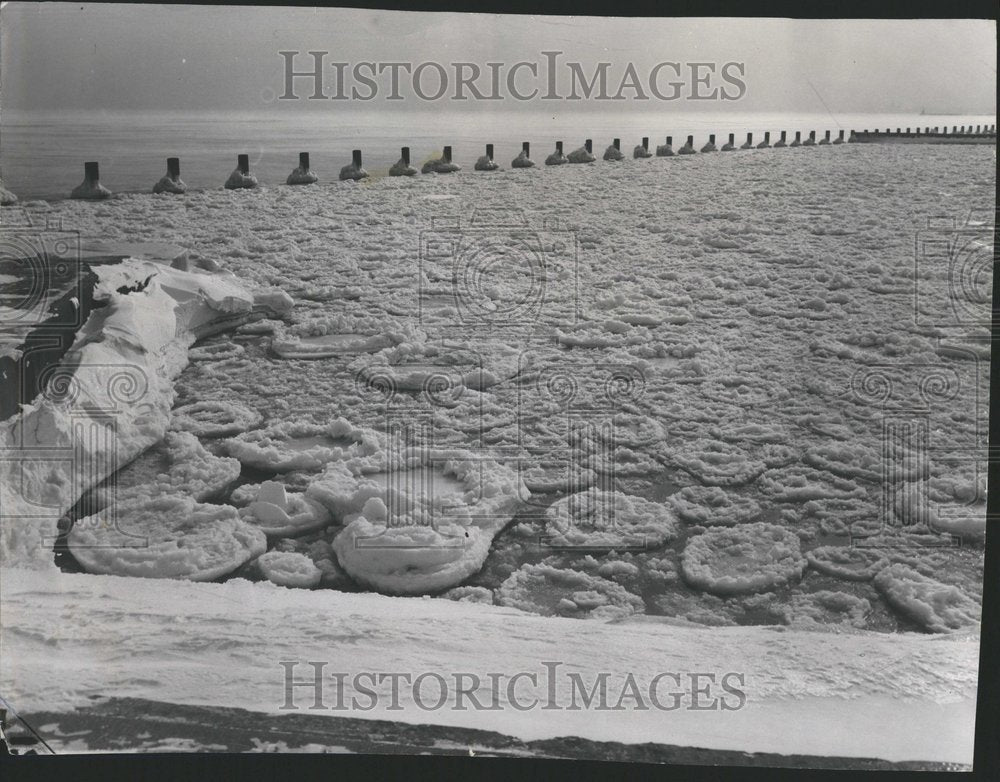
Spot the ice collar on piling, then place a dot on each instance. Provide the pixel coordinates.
(110, 398)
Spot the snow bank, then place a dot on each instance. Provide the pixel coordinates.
(109, 399)
(170, 536)
(751, 558)
(82, 635)
(580, 155)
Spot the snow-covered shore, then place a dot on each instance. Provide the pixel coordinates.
(897, 697)
(747, 324)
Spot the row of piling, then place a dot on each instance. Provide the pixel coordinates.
(241, 178)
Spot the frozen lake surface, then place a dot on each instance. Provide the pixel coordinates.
(714, 346)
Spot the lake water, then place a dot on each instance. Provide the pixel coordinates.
(42, 154)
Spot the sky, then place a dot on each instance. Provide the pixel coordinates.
(58, 57)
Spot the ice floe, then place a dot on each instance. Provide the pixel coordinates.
(712, 506)
(850, 563)
(718, 464)
(753, 557)
(608, 520)
(280, 514)
(214, 419)
(937, 607)
(168, 536)
(300, 445)
(552, 591)
(422, 524)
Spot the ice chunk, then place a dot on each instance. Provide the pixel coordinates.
(581, 155)
(274, 493)
(90, 189)
(439, 166)
(288, 569)
(301, 176)
(170, 184)
(613, 153)
(522, 161)
(240, 181)
(402, 168)
(486, 163)
(169, 536)
(293, 516)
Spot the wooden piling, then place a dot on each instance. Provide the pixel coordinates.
(174, 167)
(526, 148)
(243, 163)
(559, 147)
(447, 154)
(489, 151)
(766, 143)
(404, 153)
(645, 142)
(589, 146)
